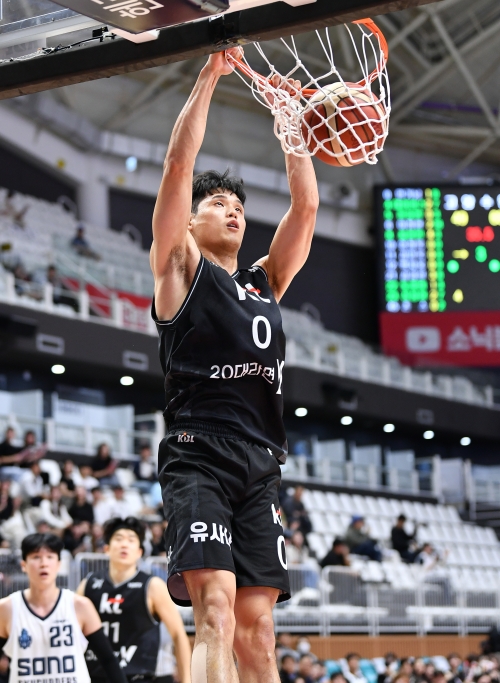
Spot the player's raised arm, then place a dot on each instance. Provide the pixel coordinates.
(163, 607)
(292, 240)
(90, 623)
(174, 251)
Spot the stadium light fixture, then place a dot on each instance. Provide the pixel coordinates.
(126, 381)
(389, 428)
(429, 434)
(301, 412)
(465, 441)
(131, 164)
(346, 420)
(58, 369)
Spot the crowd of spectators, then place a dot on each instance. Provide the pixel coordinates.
(355, 541)
(77, 506)
(297, 664)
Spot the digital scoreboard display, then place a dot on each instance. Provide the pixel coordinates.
(439, 256)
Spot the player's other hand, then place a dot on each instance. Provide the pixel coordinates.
(289, 86)
(219, 63)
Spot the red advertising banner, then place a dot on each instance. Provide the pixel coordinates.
(465, 338)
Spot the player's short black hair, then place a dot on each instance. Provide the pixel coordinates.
(209, 182)
(116, 523)
(35, 542)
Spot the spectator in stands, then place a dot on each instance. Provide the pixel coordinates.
(296, 550)
(430, 560)
(418, 675)
(9, 210)
(284, 646)
(81, 245)
(337, 556)
(43, 527)
(81, 509)
(439, 677)
(7, 448)
(101, 507)
(119, 506)
(296, 514)
(391, 665)
(61, 294)
(30, 450)
(288, 669)
(400, 678)
(8, 504)
(70, 479)
(54, 511)
(76, 538)
(318, 673)
(359, 541)
(34, 484)
(353, 672)
(87, 479)
(103, 466)
(406, 667)
(157, 540)
(304, 668)
(144, 470)
(98, 542)
(403, 541)
(456, 672)
(337, 677)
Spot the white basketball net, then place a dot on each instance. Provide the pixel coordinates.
(355, 119)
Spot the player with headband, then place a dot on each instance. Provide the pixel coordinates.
(222, 350)
(45, 630)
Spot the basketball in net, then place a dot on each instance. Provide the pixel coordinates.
(342, 123)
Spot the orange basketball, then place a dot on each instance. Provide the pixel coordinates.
(348, 121)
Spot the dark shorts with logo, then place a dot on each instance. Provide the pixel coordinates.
(220, 496)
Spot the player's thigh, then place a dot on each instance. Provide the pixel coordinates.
(258, 542)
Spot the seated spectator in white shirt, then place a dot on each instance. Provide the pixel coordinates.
(119, 506)
(352, 671)
(102, 508)
(88, 481)
(54, 512)
(34, 484)
(144, 471)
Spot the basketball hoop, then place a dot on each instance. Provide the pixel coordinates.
(343, 123)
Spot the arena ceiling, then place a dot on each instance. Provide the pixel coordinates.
(445, 77)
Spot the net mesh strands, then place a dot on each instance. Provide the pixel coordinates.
(341, 122)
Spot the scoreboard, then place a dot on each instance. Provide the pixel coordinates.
(439, 273)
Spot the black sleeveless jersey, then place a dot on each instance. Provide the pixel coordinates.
(132, 631)
(223, 355)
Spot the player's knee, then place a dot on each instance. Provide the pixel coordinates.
(256, 635)
(218, 616)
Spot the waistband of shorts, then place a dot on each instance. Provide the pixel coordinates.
(209, 428)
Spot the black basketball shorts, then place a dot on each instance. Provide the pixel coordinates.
(220, 496)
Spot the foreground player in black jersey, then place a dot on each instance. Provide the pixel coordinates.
(131, 605)
(222, 351)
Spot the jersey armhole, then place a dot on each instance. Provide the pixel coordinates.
(186, 300)
(151, 616)
(263, 270)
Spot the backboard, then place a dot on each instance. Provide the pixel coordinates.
(44, 45)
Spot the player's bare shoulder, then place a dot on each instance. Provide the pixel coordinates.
(5, 616)
(86, 613)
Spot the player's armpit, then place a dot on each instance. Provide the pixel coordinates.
(101, 647)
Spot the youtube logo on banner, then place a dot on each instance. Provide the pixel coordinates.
(468, 338)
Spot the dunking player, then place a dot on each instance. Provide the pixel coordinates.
(132, 604)
(45, 630)
(222, 351)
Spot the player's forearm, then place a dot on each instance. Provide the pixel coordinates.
(302, 182)
(189, 130)
(183, 656)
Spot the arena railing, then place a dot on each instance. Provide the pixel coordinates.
(337, 600)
